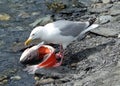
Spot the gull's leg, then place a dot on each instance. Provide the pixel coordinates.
(60, 55)
(59, 63)
(61, 48)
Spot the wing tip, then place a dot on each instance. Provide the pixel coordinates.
(93, 26)
(91, 21)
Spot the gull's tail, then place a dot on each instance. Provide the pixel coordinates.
(90, 27)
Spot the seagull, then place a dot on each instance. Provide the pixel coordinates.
(61, 32)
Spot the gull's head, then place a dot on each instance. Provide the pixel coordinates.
(35, 34)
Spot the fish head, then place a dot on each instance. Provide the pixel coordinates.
(29, 56)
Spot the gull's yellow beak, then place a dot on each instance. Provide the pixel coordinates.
(27, 42)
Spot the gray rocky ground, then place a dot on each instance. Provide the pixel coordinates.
(93, 61)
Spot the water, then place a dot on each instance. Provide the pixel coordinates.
(12, 31)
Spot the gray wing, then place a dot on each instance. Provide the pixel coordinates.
(70, 28)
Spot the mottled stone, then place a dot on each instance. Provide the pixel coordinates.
(19, 46)
(106, 1)
(108, 30)
(42, 21)
(36, 78)
(96, 1)
(4, 17)
(86, 2)
(15, 77)
(115, 12)
(44, 81)
(55, 6)
(23, 15)
(3, 79)
(1, 43)
(98, 10)
(105, 19)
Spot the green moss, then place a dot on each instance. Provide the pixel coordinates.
(55, 6)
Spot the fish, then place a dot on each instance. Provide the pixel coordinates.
(43, 56)
(31, 55)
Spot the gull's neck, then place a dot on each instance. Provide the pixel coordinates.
(43, 34)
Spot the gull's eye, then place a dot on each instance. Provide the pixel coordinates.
(33, 34)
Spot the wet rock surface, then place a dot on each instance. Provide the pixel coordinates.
(93, 61)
